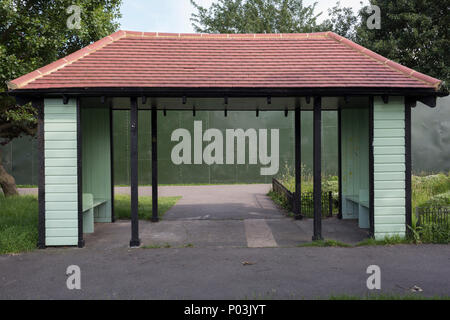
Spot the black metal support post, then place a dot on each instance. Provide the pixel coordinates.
(111, 156)
(317, 168)
(135, 242)
(371, 169)
(298, 165)
(39, 106)
(340, 161)
(80, 176)
(409, 103)
(154, 165)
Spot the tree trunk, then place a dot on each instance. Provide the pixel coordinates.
(7, 181)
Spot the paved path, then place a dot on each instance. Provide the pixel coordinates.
(224, 273)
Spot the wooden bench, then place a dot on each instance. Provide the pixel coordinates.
(360, 204)
(90, 205)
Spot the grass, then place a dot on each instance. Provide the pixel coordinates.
(18, 224)
(19, 219)
(325, 243)
(122, 206)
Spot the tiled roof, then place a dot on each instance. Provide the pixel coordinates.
(160, 60)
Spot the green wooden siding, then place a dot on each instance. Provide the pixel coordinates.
(96, 152)
(389, 165)
(61, 188)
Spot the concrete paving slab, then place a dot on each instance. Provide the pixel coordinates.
(258, 234)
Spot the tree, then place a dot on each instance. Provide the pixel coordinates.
(34, 33)
(413, 33)
(342, 21)
(255, 16)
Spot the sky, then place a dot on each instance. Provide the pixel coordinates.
(174, 15)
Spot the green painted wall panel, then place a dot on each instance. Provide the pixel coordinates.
(60, 127)
(65, 153)
(59, 215)
(61, 191)
(390, 219)
(389, 124)
(381, 159)
(62, 162)
(60, 180)
(386, 142)
(61, 232)
(389, 167)
(60, 145)
(61, 241)
(61, 206)
(62, 197)
(391, 176)
(60, 136)
(61, 171)
(389, 150)
(384, 185)
(383, 211)
(55, 224)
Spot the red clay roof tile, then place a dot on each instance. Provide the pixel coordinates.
(139, 59)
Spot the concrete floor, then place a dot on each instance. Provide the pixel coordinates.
(221, 216)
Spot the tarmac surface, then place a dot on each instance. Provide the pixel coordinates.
(223, 242)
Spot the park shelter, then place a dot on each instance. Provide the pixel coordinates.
(76, 95)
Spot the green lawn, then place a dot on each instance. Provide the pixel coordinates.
(122, 206)
(18, 224)
(19, 219)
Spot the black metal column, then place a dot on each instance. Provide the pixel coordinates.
(135, 242)
(317, 168)
(154, 165)
(298, 165)
(39, 106)
(80, 176)
(111, 155)
(340, 160)
(409, 103)
(371, 169)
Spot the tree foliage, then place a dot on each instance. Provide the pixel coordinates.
(34, 33)
(413, 33)
(255, 16)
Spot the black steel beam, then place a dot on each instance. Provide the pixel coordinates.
(39, 106)
(229, 92)
(135, 241)
(317, 129)
(298, 165)
(80, 175)
(154, 165)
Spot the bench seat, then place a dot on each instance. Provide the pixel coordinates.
(361, 205)
(89, 206)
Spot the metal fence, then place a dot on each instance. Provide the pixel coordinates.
(307, 200)
(432, 215)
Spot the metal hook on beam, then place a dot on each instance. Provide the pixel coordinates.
(225, 99)
(144, 100)
(385, 99)
(165, 112)
(286, 112)
(257, 112)
(184, 99)
(65, 99)
(269, 100)
(194, 112)
(226, 112)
